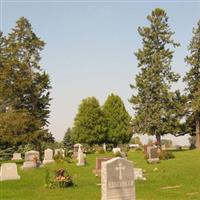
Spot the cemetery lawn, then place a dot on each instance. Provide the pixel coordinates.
(175, 179)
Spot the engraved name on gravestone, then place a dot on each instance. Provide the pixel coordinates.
(48, 156)
(9, 172)
(117, 180)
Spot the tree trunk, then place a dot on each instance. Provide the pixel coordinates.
(158, 139)
(198, 133)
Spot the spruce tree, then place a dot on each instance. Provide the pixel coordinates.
(89, 123)
(154, 103)
(67, 140)
(118, 121)
(24, 86)
(192, 79)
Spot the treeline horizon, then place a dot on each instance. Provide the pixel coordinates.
(25, 92)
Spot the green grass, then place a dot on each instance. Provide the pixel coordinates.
(183, 172)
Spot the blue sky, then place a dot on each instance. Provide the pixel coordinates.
(90, 47)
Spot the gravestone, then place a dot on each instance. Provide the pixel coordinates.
(138, 174)
(9, 172)
(48, 156)
(17, 156)
(116, 150)
(104, 147)
(32, 159)
(99, 161)
(61, 151)
(81, 157)
(152, 153)
(75, 150)
(117, 180)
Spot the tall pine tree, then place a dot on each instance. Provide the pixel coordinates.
(24, 86)
(192, 79)
(154, 103)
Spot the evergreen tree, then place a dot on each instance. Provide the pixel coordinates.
(155, 105)
(118, 121)
(192, 79)
(67, 140)
(89, 123)
(24, 86)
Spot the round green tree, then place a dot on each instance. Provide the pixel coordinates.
(89, 123)
(118, 121)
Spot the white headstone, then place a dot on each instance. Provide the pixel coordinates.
(104, 146)
(116, 150)
(31, 159)
(138, 174)
(75, 150)
(117, 180)
(81, 157)
(48, 156)
(17, 156)
(9, 172)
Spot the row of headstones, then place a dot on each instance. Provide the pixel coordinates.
(32, 158)
(117, 178)
(48, 155)
(8, 171)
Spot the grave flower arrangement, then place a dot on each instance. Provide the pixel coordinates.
(61, 180)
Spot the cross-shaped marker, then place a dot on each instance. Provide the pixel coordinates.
(120, 168)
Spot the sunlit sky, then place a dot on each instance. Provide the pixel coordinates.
(90, 47)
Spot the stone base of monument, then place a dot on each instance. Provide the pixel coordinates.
(48, 161)
(80, 164)
(153, 160)
(30, 164)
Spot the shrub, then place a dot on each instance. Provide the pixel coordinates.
(6, 154)
(118, 154)
(99, 149)
(165, 155)
(59, 157)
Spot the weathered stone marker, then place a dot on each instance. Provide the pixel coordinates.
(117, 180)
(9, 172)
(32, 160)
(97, 170)
(80, 158)
(48, 156)
(152, 153)
(75, 150)
(17, 156)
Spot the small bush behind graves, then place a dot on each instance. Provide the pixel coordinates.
(165, 155)
(59, 157)
(99, 149)
(117, 154)
(62, 179)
